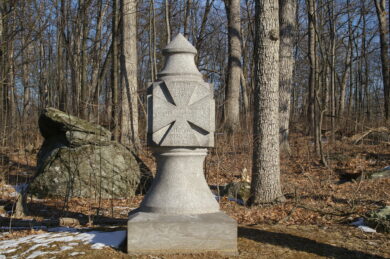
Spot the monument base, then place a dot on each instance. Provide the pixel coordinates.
(153, 233)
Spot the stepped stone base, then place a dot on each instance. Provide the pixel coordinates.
(152, 233)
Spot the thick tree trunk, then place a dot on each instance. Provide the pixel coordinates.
(129, 117)
(265, 186)
(232, 98)
(287, 19)
(381, 13)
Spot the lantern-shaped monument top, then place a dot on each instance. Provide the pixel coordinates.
(181, 108)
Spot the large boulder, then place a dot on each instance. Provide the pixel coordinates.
(78, 159)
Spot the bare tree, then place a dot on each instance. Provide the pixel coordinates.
(287, 20)
(128, 68)
(232, 92)
(265, 186)
(187, 18)
(114, 73)
(380, 6)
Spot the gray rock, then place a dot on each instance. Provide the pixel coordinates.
(238, 191)
(384, 173)
(77, 159)
(379, 219)
(55, 123)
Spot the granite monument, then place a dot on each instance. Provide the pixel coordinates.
(179, 214)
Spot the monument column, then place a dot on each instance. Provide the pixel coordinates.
(179, 214)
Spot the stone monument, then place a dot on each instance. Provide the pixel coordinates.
(179, 214)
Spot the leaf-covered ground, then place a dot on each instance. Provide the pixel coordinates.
(321, 202)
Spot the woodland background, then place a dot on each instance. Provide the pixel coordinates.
(95, 59)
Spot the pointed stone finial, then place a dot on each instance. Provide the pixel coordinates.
(179, 59)
(179, 44)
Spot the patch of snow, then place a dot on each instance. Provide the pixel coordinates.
(367, 229)
(67, 238)
(98, 246)
(360, 224)
(2, 257)
(64, 248)
(76, 253)
(9, 251)
(39, 253)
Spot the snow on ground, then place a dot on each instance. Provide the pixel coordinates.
(58, 240)
(360, 224)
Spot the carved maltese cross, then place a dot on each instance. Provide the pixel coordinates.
(182, 114)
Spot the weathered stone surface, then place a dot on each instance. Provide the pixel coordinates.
(179, 186)
(379, 219)
(74, 161)
(179, 214)
(182, 114)
(181, 106)
(152, 233)
(54, 123)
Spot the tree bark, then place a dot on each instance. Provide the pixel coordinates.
(167, 20)
(380, 6)
(129, 117)
(232, 98)
(287, 20)
(265, 187)
(187, 18)
(114, 74)
(312, 61)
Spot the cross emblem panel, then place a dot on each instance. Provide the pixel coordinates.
(181, 113)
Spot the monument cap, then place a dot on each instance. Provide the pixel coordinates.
(179, 44)
(179, 60)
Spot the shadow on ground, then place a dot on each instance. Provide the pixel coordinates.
(298, 243)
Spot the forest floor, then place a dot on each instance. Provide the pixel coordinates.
(313, 222)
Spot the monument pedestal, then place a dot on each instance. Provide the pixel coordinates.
(153, 233)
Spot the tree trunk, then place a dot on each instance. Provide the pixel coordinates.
(312, 61)
(232, 98)
(129, 118)
(187, 18)
(381, 13)
(167, 20)
(114, 74)
(265, 186)
(83, 60)
(287, 19)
